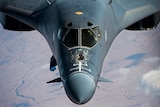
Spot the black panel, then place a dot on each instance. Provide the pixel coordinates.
(15, 25)
(145, 24)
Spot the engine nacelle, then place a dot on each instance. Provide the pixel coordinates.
(10, 23)
(147, 23)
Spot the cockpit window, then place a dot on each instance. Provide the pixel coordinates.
(71, 38)
(81, 37)
(88, 38)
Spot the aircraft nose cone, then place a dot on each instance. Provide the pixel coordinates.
(80, 87)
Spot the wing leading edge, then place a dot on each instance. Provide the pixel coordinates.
(127, 12)
(27, 7)
(18, 14)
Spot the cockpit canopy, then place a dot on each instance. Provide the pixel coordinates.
(81, 37)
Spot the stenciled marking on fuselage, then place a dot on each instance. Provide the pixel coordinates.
(83, 64)
(79, 67)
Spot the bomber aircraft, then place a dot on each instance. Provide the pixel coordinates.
(79, 33)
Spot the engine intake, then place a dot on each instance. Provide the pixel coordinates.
(148, 23)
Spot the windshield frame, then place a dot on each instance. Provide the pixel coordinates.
(80, 39)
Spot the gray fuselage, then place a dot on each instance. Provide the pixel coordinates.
(79, 40)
